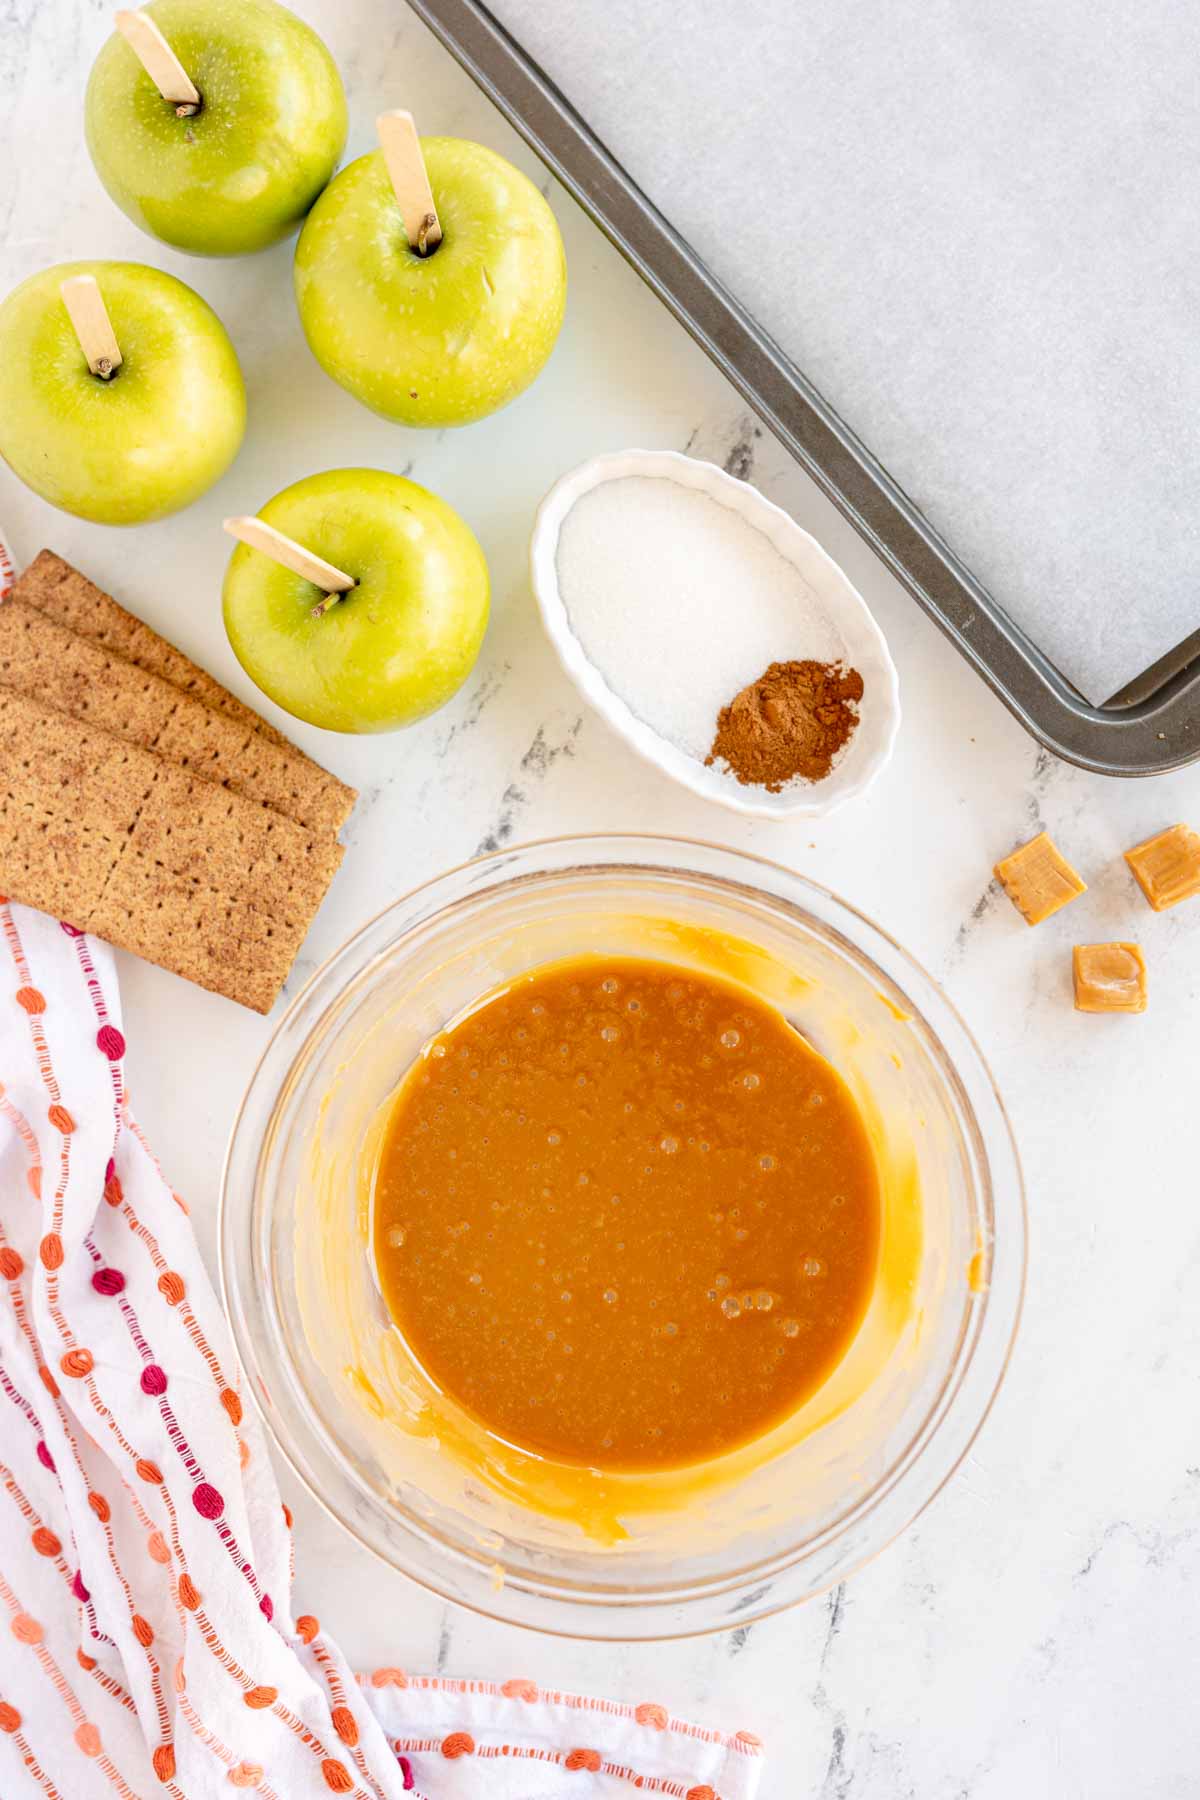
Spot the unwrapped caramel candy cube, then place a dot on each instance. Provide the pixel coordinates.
(1038, 879)
(1167, 867)
(1109, 978)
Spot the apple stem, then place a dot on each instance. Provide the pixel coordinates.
(325, 603)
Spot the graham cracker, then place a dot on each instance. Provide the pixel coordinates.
(52, 587)
(118, 840)
(78, 676)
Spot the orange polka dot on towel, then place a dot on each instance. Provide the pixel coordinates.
(232, 1405)
(703, 1792)
(188, 1592)
(172, 1287)
(85, 1661)
(61, 1119)
(584, 1759)
(77, 1363)
(459, 1743)
(156, 1546)
(88, 1738)
(650, 1713)
(32, 1001)
(51, 1251)
(345, 1724)
(337, 1775)
(48, 1382)
(308, 1627)
(748, 1738)
(519, 1689)
(389, 1678)
(10, 1718)
(179, 1677)
(34, 1178)
(246, 1775)
(11, 1263)
(259, 1698)
(45, 1542)
(100, 1507)
(114, 1193)
(164, 1762)
(25, 1629)
(148, 1470)
(143, 1631)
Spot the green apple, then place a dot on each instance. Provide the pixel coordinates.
(242, 171)
(400, 642)
(448, 337)
(153, 436)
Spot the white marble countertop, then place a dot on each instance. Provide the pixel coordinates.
(1037, 1632)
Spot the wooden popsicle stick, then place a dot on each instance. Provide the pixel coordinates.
(85, 303)
(261, 536)
(159, 61)
(410, 183)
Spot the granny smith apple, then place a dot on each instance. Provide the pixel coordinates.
(448, 337)
(400, 642)
(242, 171)
(153, 436)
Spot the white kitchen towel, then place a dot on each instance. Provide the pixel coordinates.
(147, 1638)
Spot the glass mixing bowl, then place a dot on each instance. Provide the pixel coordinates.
(576, 1552)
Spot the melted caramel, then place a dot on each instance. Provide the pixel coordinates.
(625, 1215)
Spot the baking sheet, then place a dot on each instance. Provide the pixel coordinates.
(975, 230)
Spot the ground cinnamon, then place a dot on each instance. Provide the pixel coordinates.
(791, 722)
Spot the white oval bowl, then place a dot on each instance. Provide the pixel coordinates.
(879, 714)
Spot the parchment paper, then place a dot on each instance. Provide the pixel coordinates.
(975, 227)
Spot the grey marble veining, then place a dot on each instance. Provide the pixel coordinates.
(1035, 1635)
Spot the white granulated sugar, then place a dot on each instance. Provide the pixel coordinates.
(680, 602)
